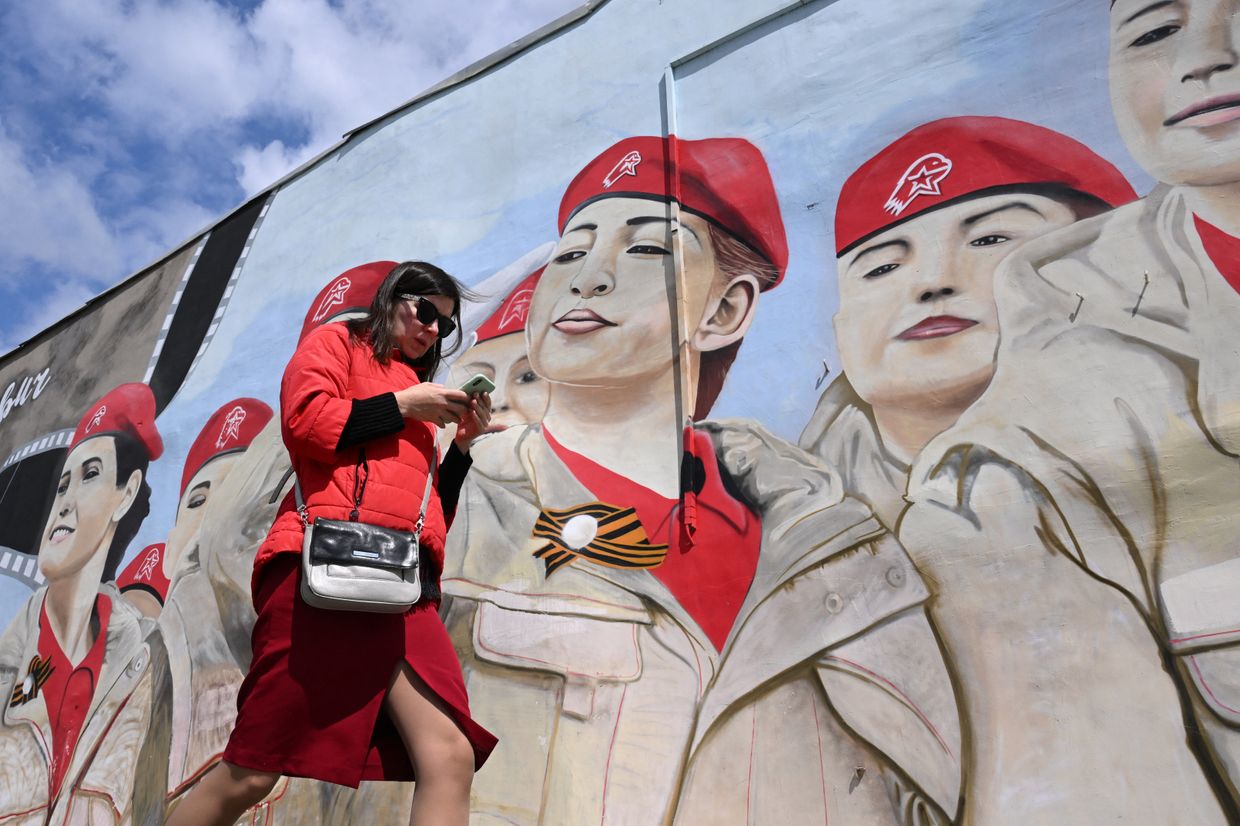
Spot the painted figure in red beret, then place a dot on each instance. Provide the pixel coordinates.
(75, 664)
(1127, 481)
(225, 436)
(919, 230)
(623, 584)
(500, 354)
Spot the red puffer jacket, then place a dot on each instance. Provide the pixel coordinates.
(326, 373)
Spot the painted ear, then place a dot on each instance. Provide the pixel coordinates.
(132, 487)
(728, 315)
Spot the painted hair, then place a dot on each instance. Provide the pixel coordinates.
(131, 455)
(733, 259)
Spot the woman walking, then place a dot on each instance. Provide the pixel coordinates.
(346, 696)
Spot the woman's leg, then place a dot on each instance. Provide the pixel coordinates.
(222, 795)
(442, 756)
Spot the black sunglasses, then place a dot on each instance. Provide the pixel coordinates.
(427, 314)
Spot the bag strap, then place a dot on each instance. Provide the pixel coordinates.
(426, 495)
(357, 501)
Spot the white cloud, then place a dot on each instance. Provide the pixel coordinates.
(49, 216)
(175, 68)
(258, 168)
(221, 98)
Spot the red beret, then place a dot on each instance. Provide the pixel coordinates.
(126, 408)
(351, 291)
(945, 160)
(724, 180)
(511, 315)
(230, 429)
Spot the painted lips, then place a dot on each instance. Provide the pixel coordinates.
(579, 322)
(1208, 113)
(936, 326)
(59, 534)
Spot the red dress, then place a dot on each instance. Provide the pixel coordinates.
(311, 704)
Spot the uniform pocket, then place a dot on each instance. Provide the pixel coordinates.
(550, 686)
(583, 651)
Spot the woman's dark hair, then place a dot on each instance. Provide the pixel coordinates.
(130, 456)
(409, 278)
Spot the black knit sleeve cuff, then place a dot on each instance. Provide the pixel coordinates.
(370, 419)
(452, 472)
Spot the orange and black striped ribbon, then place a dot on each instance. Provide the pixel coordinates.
(40, 669)
(621, 541)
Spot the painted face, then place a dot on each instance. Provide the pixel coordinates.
(1175, 87)
(412, 336)
(520, 395)
(917, 320)
(85, 510)
(194, 501)
(600, 315)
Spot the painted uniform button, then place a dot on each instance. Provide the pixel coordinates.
(834, 603)
(895, 577)
(579, 531)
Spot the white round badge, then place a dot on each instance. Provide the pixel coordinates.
(579, 531)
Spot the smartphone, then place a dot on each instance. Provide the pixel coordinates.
(478, 384)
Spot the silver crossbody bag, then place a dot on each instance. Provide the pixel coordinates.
(353, 566)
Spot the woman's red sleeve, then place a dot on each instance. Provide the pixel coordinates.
(313, 405)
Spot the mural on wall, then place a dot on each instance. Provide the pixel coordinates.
(578, 557)
(79, 659)
(866, 444)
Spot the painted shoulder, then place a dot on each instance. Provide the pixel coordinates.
(1113, 232)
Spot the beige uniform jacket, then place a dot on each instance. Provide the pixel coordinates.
(842, 433)
(1116, 404)
(116, 774)
(830, 699)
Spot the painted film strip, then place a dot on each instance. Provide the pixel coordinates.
(22, 567)
(51, 441)
(172, 309)
(14, 564)
(232, 281)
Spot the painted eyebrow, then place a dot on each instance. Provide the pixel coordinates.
(904, 245)
(590, 227)
(651, 219)
(1152, 7)
(973, 219)
(196, 487)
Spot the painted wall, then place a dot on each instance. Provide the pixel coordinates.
(906, 364)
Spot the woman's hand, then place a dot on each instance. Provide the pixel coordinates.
(434, 403)
(475, 421)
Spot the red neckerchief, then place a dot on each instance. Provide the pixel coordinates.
(1223, 249)
(710, 579)
(68, 691)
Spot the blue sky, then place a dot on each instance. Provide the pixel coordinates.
(126, 126)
